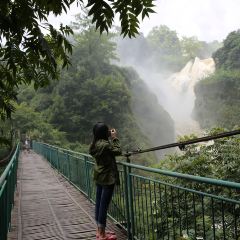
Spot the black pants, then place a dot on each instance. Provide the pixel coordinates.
(103, 198)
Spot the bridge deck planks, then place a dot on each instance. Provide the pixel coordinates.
(49, 207)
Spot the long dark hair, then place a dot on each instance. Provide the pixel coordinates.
(100, 131)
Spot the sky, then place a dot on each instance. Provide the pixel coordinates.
(208, 20)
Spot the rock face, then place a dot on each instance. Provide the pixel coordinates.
(182, 85)
(153, 120)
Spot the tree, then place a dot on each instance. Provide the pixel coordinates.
(166, 47)
(93, 51)
(165, 40)
(218, 96)
(91, 88)
(218, 99)
(6, 135)
(95, 90)
(190, 47)
(218, 160)
(35, 126)
(228, 57)
(27, 55)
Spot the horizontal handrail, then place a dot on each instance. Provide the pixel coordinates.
(216, 182)
(8, 181)
(186, 189)
(6, 170)
(65, 150)
(4, 160)
(152, 208)
(181, 145)
(213, 181)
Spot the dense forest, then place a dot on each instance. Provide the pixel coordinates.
(162, 50)
(217, 110)
(96, 88)
(90, 90)
(218, 96)
(56, 98)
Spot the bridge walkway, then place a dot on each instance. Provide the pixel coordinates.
(48, 207)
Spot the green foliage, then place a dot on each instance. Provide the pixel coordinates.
(219, 159)
(227, 57)
(35, 126)
(93, 90)
(218, 96)
(27, 55)
(6, 138)
(7, 95)
(4, 151)
(1, 170)
(90, 89)
(103, 14)
(162, 50)
(192, 47)
(218, 100)
(166, 46)
(165, 40)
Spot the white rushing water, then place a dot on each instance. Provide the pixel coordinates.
(176, 93)
(182, 85)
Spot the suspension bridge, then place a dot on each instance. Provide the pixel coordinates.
(49, 193)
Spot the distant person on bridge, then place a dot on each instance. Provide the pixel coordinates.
(27, 145)
(105, 146)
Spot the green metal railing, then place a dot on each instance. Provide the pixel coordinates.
(154, 204)
(8, 181)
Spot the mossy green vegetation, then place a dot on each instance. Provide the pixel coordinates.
(219, 159)
(4, 151)
(218, 96)
(93, 90)
(218, 100)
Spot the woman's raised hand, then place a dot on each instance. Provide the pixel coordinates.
(113, 133)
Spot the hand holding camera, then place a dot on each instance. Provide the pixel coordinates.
(113, 133)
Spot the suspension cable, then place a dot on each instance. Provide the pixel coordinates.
(182, 145)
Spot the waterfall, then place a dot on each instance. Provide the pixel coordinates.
(176, 92)
(181, 85)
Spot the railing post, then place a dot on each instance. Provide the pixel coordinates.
(131, 202)
(50, 157)
(127, 201)
(8, 198)
(87, 177)
(78, 177)
(58, 164)
(3, 206)
(7, 203)
(69, 170)
(130, 198)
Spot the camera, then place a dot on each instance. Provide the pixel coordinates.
(111, 131)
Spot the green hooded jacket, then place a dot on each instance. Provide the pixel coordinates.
(105, 168)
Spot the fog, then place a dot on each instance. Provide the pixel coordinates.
(174, 90)
(207, 20)
(220, 17)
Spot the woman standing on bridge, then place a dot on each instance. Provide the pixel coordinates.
(104, 148)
